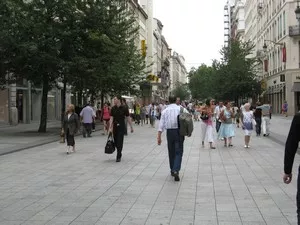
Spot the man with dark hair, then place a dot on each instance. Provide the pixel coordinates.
(117, 124)
(291, 147)
(178, 101)
(169, 122)
(124, 103)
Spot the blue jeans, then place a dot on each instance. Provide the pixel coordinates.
(175, 147)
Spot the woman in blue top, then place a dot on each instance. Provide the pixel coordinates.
(227, 128)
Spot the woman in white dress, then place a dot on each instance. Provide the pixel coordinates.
(206, 116)
(247, 123)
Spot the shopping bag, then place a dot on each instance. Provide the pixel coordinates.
(110, 145)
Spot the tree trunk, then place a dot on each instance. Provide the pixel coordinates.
(63, 102)
(43, 120)
(102, 99)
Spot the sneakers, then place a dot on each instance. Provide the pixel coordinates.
(247, 146)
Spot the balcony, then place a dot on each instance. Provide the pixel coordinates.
(294, 31)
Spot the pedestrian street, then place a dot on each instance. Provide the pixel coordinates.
(225, 186)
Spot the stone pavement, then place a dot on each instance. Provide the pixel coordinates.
(226, 186)
(25, 136)
(280, 127)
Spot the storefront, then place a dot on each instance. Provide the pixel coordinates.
(22, 104)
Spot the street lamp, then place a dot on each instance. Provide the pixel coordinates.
(265, 47)
(297, 11)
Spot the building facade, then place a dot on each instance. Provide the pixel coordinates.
(273, 28)
(178, 71)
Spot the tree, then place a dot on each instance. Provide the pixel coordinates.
(113, 63)
(202, 82)
(229, 79)
(237, 71)
(181, 91)
(89, 44)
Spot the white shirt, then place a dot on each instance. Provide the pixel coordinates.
(169, 117)
(218, 111)
(87, 114)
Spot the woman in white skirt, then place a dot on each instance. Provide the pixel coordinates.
(207, 124)
(227, 131)
(247, 123)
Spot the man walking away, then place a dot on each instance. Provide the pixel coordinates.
(291, 147)
(169, 122)
(217, 113)
(265, 119)
(119, 113)
(87, 117)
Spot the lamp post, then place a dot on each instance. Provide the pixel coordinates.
(297, 12)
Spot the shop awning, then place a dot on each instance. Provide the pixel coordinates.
(296, 87)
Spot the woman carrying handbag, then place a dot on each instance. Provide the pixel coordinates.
(71, 126)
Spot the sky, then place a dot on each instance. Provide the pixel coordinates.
(193, 28)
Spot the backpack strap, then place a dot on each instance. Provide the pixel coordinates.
(181, 109)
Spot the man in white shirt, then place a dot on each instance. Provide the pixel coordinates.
(217, 113)
(87, 117)
(169, 122)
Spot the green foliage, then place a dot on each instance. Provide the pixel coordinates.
(90, 44)
(181, 91)
(229, 79)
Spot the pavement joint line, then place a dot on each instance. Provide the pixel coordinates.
(213, 182)
(264, 185)
(180, 182)
(248, 187)
(272, 180)
(195, 205)
(134, 165)
(221, 156)
(162, 163)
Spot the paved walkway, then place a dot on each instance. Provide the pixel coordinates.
(226, 186)
(280, 127)
(25, 136)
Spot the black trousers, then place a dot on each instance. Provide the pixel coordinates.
(258, 126)
(87, 129)
(218, 125)
(70, 139)
(119, 139)
(298, 196)
(175, 147)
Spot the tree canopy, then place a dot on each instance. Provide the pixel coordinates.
(89, 44)
(229, 79)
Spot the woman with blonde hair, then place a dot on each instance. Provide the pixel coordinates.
(71, 126)
(248, 123)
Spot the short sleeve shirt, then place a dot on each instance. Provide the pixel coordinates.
(119, 113)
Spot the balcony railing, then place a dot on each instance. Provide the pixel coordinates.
(294, 31)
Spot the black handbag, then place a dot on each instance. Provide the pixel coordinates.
(204, 116)
(110, 145)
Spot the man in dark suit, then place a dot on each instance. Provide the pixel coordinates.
(291, 147)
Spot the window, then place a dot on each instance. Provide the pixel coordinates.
(282, 78)
(283, 24)
(280, 20)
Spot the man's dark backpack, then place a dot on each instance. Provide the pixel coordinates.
(185, 122)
